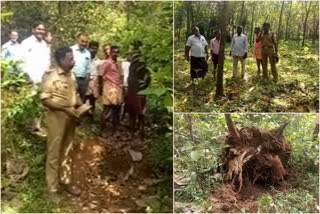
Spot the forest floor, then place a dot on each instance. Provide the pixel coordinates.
(113, 172)
(257, 198)
(225, 199)
(296, 90)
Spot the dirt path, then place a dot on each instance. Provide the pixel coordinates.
(111, 180)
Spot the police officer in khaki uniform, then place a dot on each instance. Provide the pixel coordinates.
(269, 51)
(59, 95)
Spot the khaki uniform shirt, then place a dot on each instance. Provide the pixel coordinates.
(60, 87)
(268, 40)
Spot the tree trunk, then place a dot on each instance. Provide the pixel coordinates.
(315, 132)
(280, 19)
(244, 21)
(224, 14)
(298, 31)
(192, 16)
(288, 22)
(241, 14)
(232, 128)
(315, 26)
(232, 27)
(305, 21)
(198, 12)
(316, 129)
(252, 18)
(63, 8)
(316, 30)
(188, 19)
(189, 122)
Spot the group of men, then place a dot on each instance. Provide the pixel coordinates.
(74, 83)
(265, 48)
(31, 51)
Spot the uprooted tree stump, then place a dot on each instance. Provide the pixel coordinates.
(261, 155)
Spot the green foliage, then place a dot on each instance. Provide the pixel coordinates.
(163, 203)
(10, 73)
(160, 153)
(296, 201)
(5, 16)
(154, 30)
(198, 159)
(19, 106)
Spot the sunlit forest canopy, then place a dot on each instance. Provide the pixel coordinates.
(288, 19)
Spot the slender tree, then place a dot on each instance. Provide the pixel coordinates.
(305, 21)
(315, 25)
(280, 19)
(188, 6)
(288, 21)
(224, 16)
(189, 122)
(252, 18)
(241, 13)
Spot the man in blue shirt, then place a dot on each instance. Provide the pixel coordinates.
(82, 59)
(11, 50)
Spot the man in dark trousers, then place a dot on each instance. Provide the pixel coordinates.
(215, 47)
(198, 46)
(82, 58)
(138, 80)
(92, 93)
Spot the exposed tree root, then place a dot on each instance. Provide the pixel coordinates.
(257, 154)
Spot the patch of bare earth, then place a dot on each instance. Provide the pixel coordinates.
(113, 175)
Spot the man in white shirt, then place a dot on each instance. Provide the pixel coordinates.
(239, 50)
(11, 50)
(215, 47)
(36, 59)
(35, 54)
(198, 46)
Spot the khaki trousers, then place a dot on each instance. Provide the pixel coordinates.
(236, 59)
(267, 53)
(59, 144)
